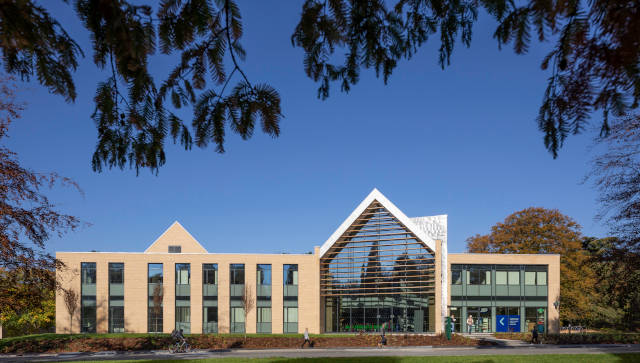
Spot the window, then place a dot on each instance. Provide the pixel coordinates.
(154, 323)
(210, 324)
(88, 297)
(210, 274)
(116, 273)
(535, 278)
(290, 274)
(237, 320)
(155, 293)
(514, 277)
(263, 274)
(541, 278)
(264, 315)
(236, 271)
(175, 249)
(456, 277)
(183, 273)
(479, 276)
(183, 318)
(88, 272)
(290, 319)
(508, 277)
(155, 273)
(116, 298)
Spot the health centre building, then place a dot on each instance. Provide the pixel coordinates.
(378, 267)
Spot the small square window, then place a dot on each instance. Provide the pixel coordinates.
(175, 249)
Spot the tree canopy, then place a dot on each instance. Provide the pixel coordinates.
(27, 219)
(593, 63)
(540, 230)
(615, 174)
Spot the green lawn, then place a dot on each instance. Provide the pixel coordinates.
(573, 358)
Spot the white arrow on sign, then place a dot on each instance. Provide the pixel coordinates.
(502, 321)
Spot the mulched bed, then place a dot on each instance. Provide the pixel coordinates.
(213, 341)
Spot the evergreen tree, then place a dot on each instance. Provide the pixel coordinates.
(593, 62)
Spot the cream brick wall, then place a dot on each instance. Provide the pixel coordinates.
(553, 283)
(135, 286)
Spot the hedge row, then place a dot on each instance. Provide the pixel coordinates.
(577, 338)
(95, 343)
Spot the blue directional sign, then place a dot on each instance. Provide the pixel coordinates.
(507, 323)
(514, 323)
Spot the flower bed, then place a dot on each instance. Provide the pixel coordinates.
(97, 342)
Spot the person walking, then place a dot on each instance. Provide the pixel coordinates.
(534, 335)
(306, 339)
(469, 323)
(383, 341)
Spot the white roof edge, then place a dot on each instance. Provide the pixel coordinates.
(166, 230)
(395, 211)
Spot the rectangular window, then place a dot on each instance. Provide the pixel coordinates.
(479, 276)
(501, 277)
(116, 297)
(88, 272)
(529, 277)
(264, 315)
(290, 274)
(263, 274)
(210, 273)
(237, 320)
(210, 298)
(541, 278)
(456, 277)
(155, 273)
(116, 273)
(183, 318)
(155, 293)
(210, 315)
(236, 271)
(514, 277)
(183, 273)
(88, 297)
(290, 319)
(175, 249)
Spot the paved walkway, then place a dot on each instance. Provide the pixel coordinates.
(523, 349)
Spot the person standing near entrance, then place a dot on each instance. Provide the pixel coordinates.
(469, 323)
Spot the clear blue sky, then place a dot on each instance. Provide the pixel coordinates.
(461, 142)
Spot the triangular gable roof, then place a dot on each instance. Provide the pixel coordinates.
(375, 195)
(176, 235)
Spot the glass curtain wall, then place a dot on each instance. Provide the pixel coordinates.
(210, 298)
(155, 293)
(183, 297)
(236, 287)
(263, 298)
(378, 273)
(88, 297)
(116, 297)
(290, 300)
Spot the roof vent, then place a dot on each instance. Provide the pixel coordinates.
(175, 249)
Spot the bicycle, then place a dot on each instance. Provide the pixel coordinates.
(180, 347)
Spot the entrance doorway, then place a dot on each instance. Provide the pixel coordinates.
(481, 319)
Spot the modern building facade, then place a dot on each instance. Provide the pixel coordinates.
(379, 267)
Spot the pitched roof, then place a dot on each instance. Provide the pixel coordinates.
(176, 235)
(375, 195)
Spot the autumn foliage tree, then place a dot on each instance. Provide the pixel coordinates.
(27, 220)
(540, 230)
